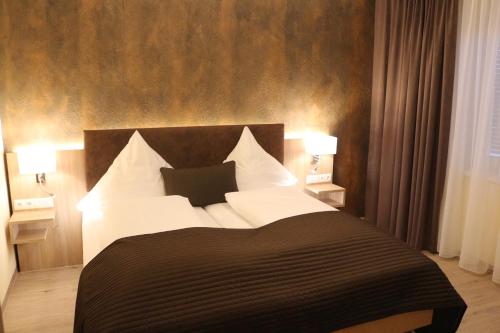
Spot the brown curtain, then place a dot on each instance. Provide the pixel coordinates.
(413, 69)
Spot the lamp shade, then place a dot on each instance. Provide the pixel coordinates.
(36, 160)
(321, 144)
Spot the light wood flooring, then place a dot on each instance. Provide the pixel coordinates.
(479, 292)
(44, 301)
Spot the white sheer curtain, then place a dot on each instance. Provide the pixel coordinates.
(470, 221)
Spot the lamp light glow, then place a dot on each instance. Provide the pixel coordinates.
(318, 144)
(36, 160)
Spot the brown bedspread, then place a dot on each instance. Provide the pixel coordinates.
(310, 273)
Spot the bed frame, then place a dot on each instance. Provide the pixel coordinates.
(196, 146)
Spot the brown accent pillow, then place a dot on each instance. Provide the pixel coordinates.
(202, 186)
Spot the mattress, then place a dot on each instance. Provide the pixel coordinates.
(213, 216)
(220, 215)
(126, 217)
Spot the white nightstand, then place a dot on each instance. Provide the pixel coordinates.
(29, 226)
(329, 193)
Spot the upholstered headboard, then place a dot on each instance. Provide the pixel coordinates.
(182, 147)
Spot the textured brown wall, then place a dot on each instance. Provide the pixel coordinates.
(66, 65)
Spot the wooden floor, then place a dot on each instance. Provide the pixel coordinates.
(44, 301)
(479, 292)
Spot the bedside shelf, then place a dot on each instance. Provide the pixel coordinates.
(329, 193)
(30, 236)
(30, 226)
(32, 216)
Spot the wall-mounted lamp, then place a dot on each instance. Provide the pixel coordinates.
(317, 145)
(37, 161)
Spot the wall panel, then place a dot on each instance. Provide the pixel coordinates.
(63, 246)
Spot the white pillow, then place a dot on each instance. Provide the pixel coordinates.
(135, 172)
(255, 168)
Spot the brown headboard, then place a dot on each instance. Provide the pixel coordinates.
(182, 147)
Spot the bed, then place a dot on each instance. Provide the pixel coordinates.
(318, 272)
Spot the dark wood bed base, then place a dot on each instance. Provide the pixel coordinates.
(209, 145)
(404, 322)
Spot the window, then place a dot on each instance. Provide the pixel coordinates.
(495, 128)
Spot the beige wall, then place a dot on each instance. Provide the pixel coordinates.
(72, 65)
(7, 257)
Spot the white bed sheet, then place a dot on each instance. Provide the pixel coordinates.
(227, 217)
(264, 206)
(136, 216)
(206, 219)
(142, 215)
